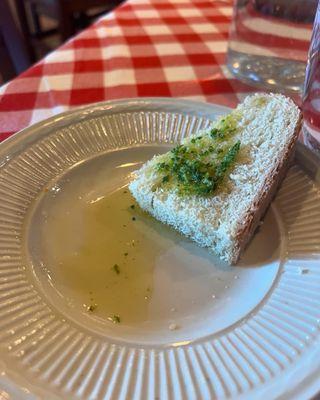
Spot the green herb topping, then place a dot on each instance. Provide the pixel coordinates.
(115, 319)
(116, 269)
(200, 164)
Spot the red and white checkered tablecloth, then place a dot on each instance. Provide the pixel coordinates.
(144, 48)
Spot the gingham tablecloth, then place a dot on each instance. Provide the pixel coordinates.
(144, 48)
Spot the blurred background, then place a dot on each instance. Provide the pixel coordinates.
(29, 29)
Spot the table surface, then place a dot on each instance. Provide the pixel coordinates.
(172, 48)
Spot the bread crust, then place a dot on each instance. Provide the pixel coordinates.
(263, 199)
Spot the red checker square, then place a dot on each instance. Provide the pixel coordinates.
(60, 97)
(14, 121)
(111, 40)
(53, 98)
(44, 100)
(137, 6)
(124, 7)
(189, 37)
(163, 39)
(121, 91)
(220, 57)
(181, 29)
(93, 53)
(85, 96)
(218, 18)
(116, 63)
(149, 21)
(174, 60)
(88, 66)
(23, 85)
(143, 51)
(151, 75)
(87, 80)
(165, 6)
(58, 68)
(146, 62)
(211, 36)
(216, 86)
(241, 87)
(216, 36)
(5, 135)
(202, 59)
(195, 48)
(138, 39)
(84, 43)
(208, 72)
(12, 102)
(185, 88)
(197, 20)
(154, 89)
(129, 21)
(36, 70)
(174, 20)
(205, 4)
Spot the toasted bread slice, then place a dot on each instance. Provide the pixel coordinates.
(224, 219)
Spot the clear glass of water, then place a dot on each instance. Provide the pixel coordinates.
(311, 93)
(269, 41)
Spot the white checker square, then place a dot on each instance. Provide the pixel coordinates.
(59, 109)
(60, 56)
(167, 49)
(145, 2)
(119, 77)
(227, 11)
(56, 82)
(117, 50)
(3, 88)
(218, 46)
(104, 32)
(40, 114)
(189, 12)
(203, 28)
(194, 97)
(176, 74)
(155, 30)
(174, 2)
(146, 13)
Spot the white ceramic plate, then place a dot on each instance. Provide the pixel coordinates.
(250, 331)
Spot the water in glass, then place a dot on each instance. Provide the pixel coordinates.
(311, 94)
(269, 41)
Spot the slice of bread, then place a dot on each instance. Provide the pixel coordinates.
(267, 125)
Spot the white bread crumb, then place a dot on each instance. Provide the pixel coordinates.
(173, 327)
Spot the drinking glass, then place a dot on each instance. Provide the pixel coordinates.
(269, 41)
(311, 93)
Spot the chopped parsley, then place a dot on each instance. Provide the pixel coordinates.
(200, 165)
(116, 319)
(116, 269)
